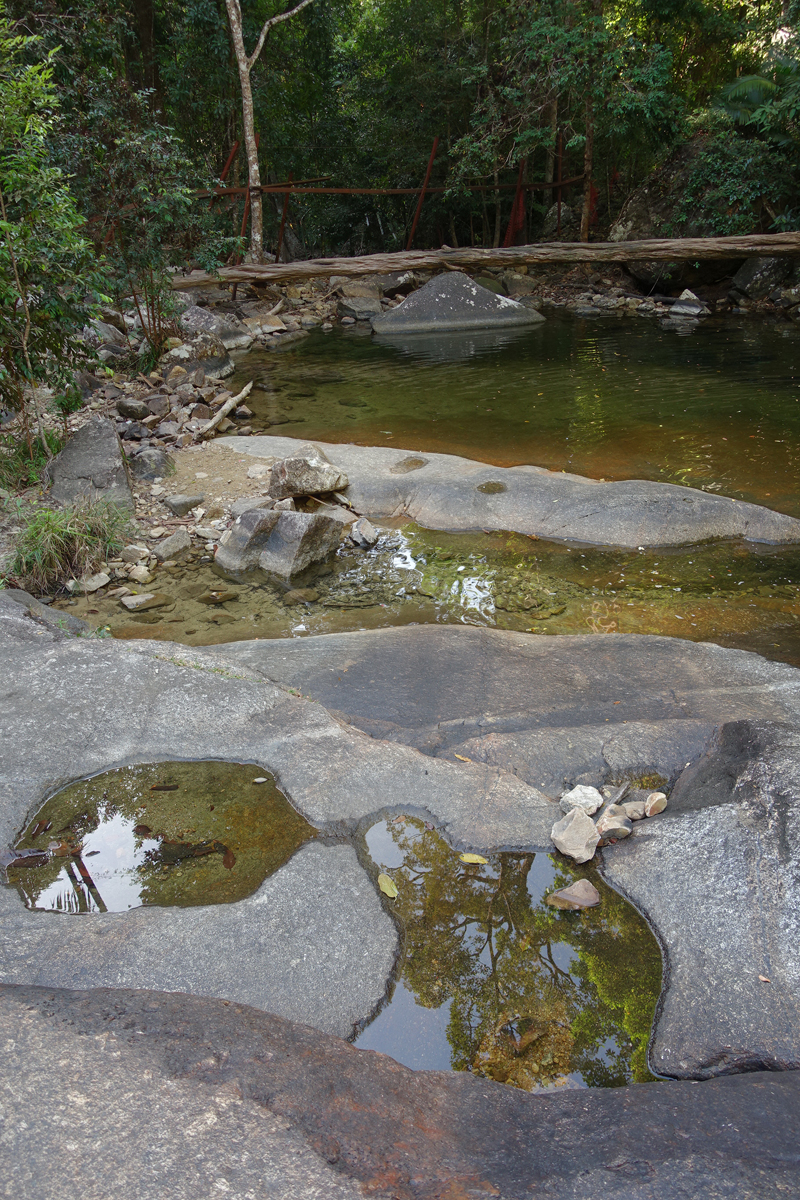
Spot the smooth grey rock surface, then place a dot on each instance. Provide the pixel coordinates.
(140, 1094)
(91, 466)
(444, 493)
(576, 836)
(453, 301)
(718, 874)
(312, 944)
(100, 1116)
(757, 277)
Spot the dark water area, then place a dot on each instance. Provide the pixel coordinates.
(182, 833)
(496, 982)
(616, 398)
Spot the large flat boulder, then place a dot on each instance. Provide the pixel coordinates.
(453, 301)
(717, 874)
(91, 467)
(137, 1093)
(443, 491)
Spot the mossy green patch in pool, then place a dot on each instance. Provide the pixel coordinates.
(177, 833)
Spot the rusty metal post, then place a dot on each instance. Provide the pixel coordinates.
(422, 193)
(286, 196)
(225, 169)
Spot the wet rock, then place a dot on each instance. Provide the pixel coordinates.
(687, 305)
(300, 596)
(90, 583)
(363, 533)
(655, 803)
(309, 472)
(576, 836)
(174, 546)
(204, 350)
(757, 277)
(150, 463)
(360, 308)
(588, 799)
(145, 601)
(220, 596)
(181, 505)
(135, 410)
(91, 466)
(453, 301)
(233, 334)
(614, 822)
(580, 894)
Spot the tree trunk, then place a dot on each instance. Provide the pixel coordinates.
(588, 151)
(550, 166)
(496, 241)
(248, 128)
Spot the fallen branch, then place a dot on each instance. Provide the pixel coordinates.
(208, 429)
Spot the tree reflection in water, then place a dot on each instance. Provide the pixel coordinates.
(539, 997)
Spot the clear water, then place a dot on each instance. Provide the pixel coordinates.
(617, 398)
(496, 982)
(737, 594)
(180, 833)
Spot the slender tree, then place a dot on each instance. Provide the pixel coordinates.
(245, 62)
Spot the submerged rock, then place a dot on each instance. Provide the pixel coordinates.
(91, 466)
(580, 894)
(576, 836)
(588, 799)
(309, 472)
(453, 301)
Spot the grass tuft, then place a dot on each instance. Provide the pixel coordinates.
(56, 545)
(22, 468)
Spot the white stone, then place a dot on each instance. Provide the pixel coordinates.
(586, 798)
(258, 471)
(655, 803)
(576, 836)
(92, 583)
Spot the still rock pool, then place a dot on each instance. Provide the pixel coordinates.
(615, 398)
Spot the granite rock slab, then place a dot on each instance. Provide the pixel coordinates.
(136, 1094)
(443, 491)
(312, 943)
(91, 467)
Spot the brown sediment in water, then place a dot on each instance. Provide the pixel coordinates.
(177, 833)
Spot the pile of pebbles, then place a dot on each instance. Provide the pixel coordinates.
(578, 836)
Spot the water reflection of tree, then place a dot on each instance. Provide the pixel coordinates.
(521, 1010)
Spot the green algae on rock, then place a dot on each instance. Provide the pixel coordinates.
(177, 833)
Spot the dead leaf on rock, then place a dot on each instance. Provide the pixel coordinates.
(228, 860)
(461, 757)
(387, 886)
(764, 979)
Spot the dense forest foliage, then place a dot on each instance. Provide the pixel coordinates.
(148, 98)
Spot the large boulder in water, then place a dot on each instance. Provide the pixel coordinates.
(281, 543)
(454, 301)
